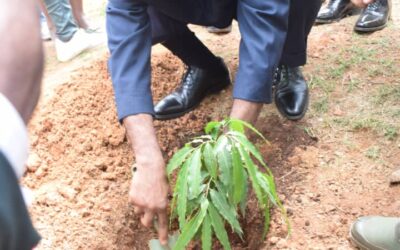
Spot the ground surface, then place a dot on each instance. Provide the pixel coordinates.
(331, 167)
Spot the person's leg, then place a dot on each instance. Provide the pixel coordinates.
(61, 15)
(301, 19)
(291, 95)
(206, 73)
(79, 15)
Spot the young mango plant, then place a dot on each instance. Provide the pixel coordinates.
(213, 181)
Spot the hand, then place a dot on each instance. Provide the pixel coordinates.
(149, 188)
(362, 3)
(149, 195)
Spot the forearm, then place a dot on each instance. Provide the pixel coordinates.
(142, 135)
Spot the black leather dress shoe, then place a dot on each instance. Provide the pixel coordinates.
(335, 10)
(374, 17)
(291, 93)
(196, 84)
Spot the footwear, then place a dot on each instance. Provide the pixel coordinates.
(195, 85)
(79, 42)
(374, 17)
(335, 10)
(215, 30)
(291, 93)
(376, 233)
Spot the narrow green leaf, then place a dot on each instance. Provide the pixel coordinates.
(181, 190)
(190, 228)
(239, 181)
(266, 187)
(226, 210)
(252, 170)
(178, 158)
(242, 139)
(206, 234)
(267, 220)
(210, 126)
(194, 174)
(251, 127)
(236, 125)
(219, 227)
(210, 161)
(224, 160)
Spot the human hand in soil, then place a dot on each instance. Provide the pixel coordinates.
(149, 188)
(362, 3)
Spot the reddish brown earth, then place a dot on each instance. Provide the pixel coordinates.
(80, 159)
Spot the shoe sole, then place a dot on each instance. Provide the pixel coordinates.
(211, 91)
(359, 29)
(359, 244)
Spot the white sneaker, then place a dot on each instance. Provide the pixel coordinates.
(80, 42)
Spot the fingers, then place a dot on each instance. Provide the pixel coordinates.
(163, 227)
(147, 218)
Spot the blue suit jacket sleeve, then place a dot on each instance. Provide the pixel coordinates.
(129, 41)
(263, 26)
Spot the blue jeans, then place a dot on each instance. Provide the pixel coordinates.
(62, 17)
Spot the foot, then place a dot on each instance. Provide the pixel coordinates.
(374, 17)
(196, 84)
(335, 10)
(80, 42)
(376, 233)
(291, 94)
(215, 30)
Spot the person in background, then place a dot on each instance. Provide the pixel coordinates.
(70, 38)
(373, 16)
(21, 67)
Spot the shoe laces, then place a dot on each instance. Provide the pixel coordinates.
(374, 6)
(187, 78)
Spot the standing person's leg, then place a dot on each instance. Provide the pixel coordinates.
(79, 15)
(205, 74)
(61, 14)
(70, 40)
(291, 96)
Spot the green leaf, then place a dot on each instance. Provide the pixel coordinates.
(224, 160)
(247, 145)
(226, 210)
(209, 160)
(267, 220)
(194, 174)
(252, 170)
(213, 128)
(190, 228)
(265, 186)
(178, 158)
(239, 181)
(236, 125)
(243, 201)
(206, 234)
(218, 226)
(181, 190)
(249, 126)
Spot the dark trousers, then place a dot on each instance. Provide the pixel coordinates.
(16, 230)
(302, 16)
(180, 40)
